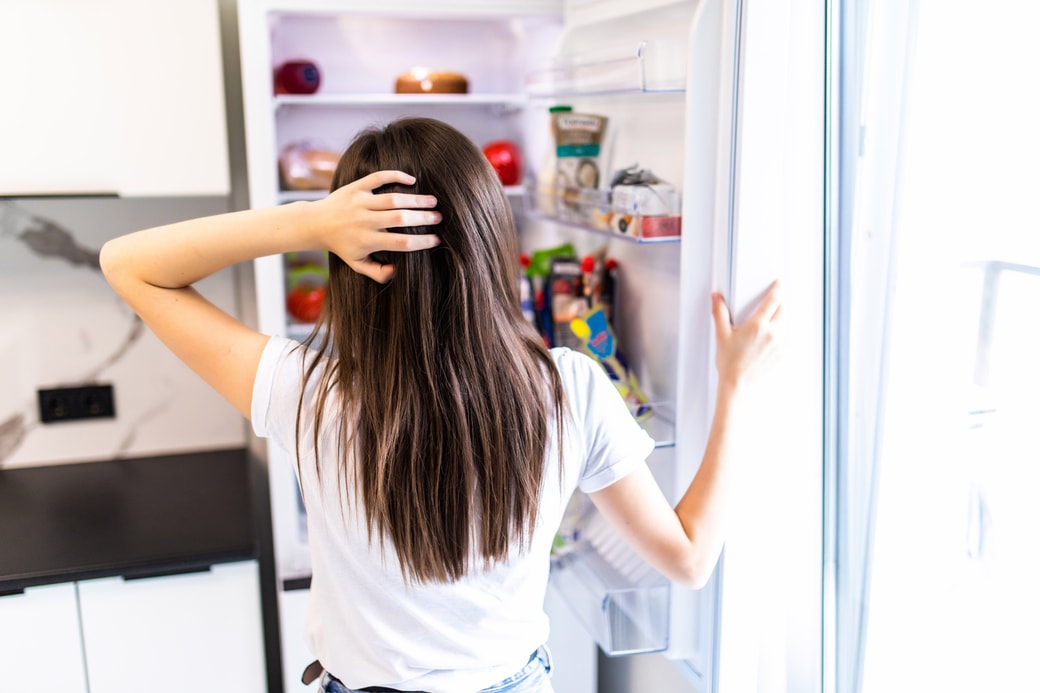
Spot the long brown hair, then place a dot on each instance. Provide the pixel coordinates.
(446, 394)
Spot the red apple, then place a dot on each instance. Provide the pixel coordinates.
(505, 159)
(297, 77)
(304, 302)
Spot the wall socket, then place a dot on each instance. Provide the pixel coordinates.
(75, 403)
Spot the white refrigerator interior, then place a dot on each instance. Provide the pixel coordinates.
(665, 75)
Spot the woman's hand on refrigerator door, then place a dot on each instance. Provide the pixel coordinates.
(743, 351)
(354, 221)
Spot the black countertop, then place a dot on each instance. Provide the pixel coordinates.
(134, 517)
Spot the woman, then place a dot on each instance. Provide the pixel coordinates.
(437, 440)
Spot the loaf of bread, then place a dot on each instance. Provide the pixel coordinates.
(307, 166)
(420, 80)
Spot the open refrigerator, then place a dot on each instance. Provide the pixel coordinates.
(664, 74)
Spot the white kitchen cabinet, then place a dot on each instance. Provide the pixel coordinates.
(39, 641)
(113, 96)
(201, 631)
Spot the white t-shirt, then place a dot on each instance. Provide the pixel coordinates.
(364, 623)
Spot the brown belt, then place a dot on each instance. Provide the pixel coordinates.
(312, 672)
(315, 669)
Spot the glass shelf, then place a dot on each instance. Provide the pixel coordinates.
(389, 99)
(621, 601)
(595, 211)
(649, 67)
(298, 331)
(285, 196)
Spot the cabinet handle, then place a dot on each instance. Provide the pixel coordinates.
(146, 573)
(86, 194)
(303, 583)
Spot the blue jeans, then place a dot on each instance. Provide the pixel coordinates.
(533, 678)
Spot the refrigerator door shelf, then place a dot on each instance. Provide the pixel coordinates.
(651, 218)
(659, 424)
(622, 602)
(646, 66)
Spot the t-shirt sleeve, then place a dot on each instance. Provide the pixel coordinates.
(615, 443)
(276, 392)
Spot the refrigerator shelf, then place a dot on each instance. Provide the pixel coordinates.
(396, 100)
(285, 196)
(595, 211)
(298, 331)
(651, 67)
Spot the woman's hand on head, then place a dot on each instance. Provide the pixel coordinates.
(742, 351)
(353, 222)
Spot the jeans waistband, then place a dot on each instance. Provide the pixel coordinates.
(315, 669)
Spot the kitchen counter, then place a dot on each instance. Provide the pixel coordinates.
(135, 518)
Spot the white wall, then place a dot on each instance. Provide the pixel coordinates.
(62, 325)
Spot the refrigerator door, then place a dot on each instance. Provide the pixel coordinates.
(769, 634)
(744, 144)
(663, 75)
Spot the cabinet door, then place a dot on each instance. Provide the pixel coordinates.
(113, 96)
(199, 631)
(40, 646)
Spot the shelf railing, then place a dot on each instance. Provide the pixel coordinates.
(657, 66)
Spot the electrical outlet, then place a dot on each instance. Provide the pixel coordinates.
(75, 403)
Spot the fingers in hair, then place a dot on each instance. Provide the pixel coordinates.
(401, 242)
(398, 200)
(381, 178)
(409, 217)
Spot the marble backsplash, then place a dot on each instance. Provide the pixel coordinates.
(61, 325)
